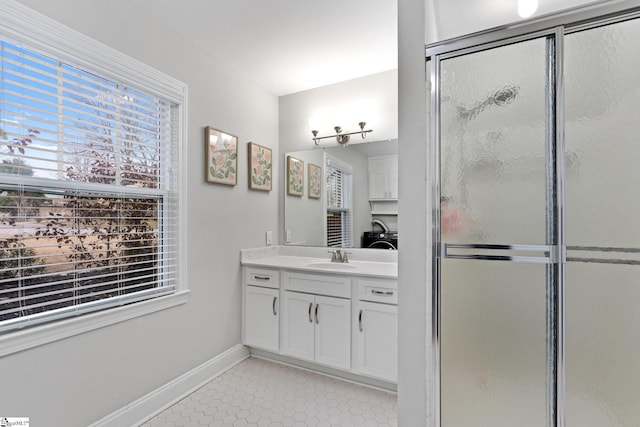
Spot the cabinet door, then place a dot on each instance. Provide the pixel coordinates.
(333, 332)
(377, 340)
(383, 178)
(392, 179)
(298, 332)
(262, 316)
(377, 184)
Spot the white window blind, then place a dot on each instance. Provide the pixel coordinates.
(339, 204)
(88, 190)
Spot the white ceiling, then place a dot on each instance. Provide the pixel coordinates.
(287, 46)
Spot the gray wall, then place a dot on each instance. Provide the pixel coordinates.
(414, 256)
(78, 380)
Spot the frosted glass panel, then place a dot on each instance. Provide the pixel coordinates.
(493, 119)
(603, 345)
(602, 144)
(494, 189)
(602, 210)
(493, 344)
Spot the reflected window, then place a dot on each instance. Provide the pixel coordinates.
(339, 202)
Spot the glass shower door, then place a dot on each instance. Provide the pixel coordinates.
(496, 235)
(603, 236)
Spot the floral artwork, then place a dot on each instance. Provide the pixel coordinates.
(259, 167)
(295, 176)
(222, 157)
(315, 181)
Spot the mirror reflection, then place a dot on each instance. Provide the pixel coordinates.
(358, 200)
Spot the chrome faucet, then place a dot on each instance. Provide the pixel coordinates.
(339, 255)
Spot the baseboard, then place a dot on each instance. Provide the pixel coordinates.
(141, 410)
(324, 370)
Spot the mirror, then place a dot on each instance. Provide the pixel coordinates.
(305, 217)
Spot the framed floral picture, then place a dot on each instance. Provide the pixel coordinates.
(314, 179)
(259, 167)
(295, 176)
(221, 157)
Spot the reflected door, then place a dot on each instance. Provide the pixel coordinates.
(497, 222)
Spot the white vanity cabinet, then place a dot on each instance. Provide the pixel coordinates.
(317, 318)
(376, 329)
(338, 319)
(261, 326)
(383, 178)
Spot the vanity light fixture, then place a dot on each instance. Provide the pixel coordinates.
(342, 138)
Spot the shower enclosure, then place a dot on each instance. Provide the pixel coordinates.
(536, 166)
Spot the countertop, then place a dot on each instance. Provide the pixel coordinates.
(386, 269)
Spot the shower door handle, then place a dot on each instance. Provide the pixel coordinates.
(545, 254)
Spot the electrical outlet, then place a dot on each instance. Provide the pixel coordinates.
(288, 236)
(267, 238)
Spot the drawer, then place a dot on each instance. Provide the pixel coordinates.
(385, 291)
(333, 286)
(262, 277)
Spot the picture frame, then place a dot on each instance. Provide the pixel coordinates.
(295, 176)
(314, 180)
(221, 157)
(260, 167)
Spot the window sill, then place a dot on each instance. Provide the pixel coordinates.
(21, 340)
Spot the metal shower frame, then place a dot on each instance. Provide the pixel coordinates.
(553, 28)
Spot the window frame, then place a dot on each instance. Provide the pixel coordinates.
(20, 24)
(346, 198)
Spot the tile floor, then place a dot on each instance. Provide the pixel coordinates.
(260, 393)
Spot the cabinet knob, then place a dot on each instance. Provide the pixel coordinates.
(317, 318)
(274, 306)
(310, 307)
(360, 321)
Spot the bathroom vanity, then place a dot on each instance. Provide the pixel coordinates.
(341, 318)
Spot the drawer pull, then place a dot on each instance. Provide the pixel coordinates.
(261, 277)
(274, 306)
(310, 307)
(385, 293)
(360, 321)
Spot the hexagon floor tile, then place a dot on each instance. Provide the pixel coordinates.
(260, 393)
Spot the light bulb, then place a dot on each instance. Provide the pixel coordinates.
(526, 8)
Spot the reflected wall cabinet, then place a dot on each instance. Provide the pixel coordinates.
(383, 178)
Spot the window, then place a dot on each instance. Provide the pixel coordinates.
(338, 177)
(89, 162)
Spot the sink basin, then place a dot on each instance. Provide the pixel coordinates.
(331, 265)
